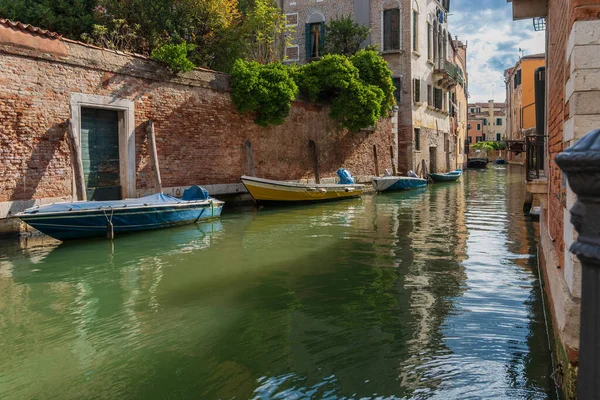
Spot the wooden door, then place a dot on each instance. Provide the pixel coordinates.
(100, 153)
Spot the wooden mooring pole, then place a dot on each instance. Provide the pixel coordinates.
(77, 162)
(153, 156)
(394, 167)
(313, 149)
(581, 165)
(249, 157)
(375, 160)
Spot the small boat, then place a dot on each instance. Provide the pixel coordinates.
(79, 219)
(477, 163)
(446, 177)
(500, 161)
(391, 183)
(267, 191)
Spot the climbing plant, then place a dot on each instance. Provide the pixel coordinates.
(264, 89)
(175, 56)
(374, 70)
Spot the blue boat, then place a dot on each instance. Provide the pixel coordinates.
(391, 183)
(446, 177)
(80, 219)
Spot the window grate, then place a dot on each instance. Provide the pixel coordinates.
(539, 24)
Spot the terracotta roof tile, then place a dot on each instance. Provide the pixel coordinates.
(30, 28)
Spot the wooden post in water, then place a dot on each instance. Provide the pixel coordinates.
(153, 156)
(249, 157)
(581, 165)
(77, 163)
(394, 168)
(313, 148)
(375, 160)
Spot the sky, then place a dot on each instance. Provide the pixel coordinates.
(493, 40)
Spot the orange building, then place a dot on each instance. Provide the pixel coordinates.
(520, 99)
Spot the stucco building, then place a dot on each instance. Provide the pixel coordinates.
(492, 118)
(572, 90)
(413, 37)
(458, 102)
(520, 100)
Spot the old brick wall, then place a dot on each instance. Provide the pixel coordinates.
(200, 135)
(557, 75)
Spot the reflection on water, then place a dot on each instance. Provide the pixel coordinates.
(425, 294)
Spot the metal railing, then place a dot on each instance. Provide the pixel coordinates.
(449, 68)
(534, 162)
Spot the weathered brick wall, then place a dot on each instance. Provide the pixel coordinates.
(199, 133)
(558, 33)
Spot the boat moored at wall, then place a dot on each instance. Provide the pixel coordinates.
(446, 177)
(79, 219)
(392, 183)
(477, 163)
(267, 191)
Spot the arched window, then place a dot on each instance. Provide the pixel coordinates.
(315, 35)
(391, 31)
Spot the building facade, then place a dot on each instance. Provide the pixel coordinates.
(492, 117)
(520, 100)
(412, 36)
(572, 90)
(458, 101)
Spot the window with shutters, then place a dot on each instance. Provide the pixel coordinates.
(485, 122)
(478, 127)
(478, 139)
(429, 95)
(429, 41)
(438, 98)
(415, 31)
(499, 121)
(391, 29)
(498, 137)
(315, 40)
(397, 89)
(417, 139)
(417, 90)
(470, 139)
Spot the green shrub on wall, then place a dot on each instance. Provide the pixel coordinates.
(267, 90)
(373, 70)
(359, 89)
(175, 56)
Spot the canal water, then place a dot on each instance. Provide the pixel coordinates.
(428, 294)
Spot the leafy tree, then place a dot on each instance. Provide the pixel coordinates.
(344, 36)
(489, 146)
(118, 36)
(70, 18)
(374, 70)
(358, 106)
(175, 56)
(264, 26)
(266, 90)
(323, 80)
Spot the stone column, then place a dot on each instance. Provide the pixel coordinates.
(581, 164)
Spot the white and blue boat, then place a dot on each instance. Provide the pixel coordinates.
(80, 219)
(391, 183)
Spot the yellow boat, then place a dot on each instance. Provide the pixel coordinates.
(266, 191)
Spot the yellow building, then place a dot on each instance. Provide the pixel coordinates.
(520, 99)
(459, 100)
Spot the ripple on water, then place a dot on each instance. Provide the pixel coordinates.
(423, 294)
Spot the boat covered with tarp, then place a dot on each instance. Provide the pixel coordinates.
(393, 183)
(478, 163)
(79, 219)
(446, 177)
(273, 192)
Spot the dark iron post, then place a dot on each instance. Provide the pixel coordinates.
(581, 164)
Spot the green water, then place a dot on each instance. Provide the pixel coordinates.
(425, 294)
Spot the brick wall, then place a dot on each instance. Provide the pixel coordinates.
(199, 133)
(557, 75)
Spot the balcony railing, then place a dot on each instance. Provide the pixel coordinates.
(534, 149)
(451, 73)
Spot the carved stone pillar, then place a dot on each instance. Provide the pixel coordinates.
(581, 164)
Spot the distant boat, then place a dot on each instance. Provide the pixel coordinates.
(391, 183)
(446, 177)
(500, 161)
(79, 219)
(477, 163)
(267, 191)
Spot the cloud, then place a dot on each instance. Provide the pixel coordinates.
(494, 40)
